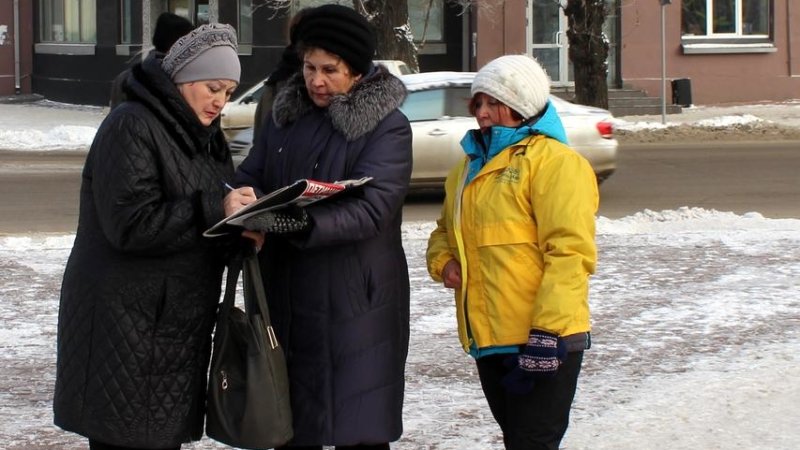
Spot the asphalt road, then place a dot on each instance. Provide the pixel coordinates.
(39, 190)
(740, 177)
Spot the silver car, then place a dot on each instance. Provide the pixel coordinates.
(437, 107)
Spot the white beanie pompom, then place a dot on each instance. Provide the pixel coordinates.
(516, 80)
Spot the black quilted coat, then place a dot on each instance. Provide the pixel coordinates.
(339, 294)
(141, 286)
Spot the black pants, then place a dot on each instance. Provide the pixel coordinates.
(539, 419)
(340, 447)
(95, 445)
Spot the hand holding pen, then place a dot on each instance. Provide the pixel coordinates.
(237, 198)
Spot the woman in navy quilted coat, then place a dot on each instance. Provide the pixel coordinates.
(336, 274)
(141, 286)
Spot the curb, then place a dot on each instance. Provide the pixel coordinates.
(20, 98)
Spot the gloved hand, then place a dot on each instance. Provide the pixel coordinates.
(540, 358)
(279, 222)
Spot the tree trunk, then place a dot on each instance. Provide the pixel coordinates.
(390, 19)
(588, 50)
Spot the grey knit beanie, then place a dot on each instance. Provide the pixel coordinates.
(209, 52)
(516, 80)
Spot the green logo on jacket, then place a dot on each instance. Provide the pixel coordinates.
(509, 176)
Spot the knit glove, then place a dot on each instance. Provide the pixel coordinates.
(279, 222)
(539, 359)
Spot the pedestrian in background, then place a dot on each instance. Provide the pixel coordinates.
(335, 272)
(169, 28)
(516, 242)
(289, 65)
(141, 286)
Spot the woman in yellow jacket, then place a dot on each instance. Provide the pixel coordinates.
(516, 241)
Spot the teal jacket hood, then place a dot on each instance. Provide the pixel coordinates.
(481, 147)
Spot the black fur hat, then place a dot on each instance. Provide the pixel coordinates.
(339, 30)
(169, 28)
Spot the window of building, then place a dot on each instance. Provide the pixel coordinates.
(245, 28)
(197, 11)
(726, 26)
(68, 21)
(427, 20)
(725, 17)
(126, 23)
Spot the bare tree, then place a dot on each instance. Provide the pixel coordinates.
(390, 19)
(588, 50)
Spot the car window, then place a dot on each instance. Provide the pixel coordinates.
(404, 69)
(432, 104)
(255, 96)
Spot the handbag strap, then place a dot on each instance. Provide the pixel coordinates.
(234, 268)
(255, 297)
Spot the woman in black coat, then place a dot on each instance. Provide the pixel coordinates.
(336, 274)
(141, 286)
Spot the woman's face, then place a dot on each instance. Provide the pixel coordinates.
(326, 75)
(489, 112)
(207, 97)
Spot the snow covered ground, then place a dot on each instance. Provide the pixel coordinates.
(696, 318)
(696, 324)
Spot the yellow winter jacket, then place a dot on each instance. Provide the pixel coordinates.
(523, 230)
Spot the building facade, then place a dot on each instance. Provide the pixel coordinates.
(732, 51)
(728, 50)
(77, 47)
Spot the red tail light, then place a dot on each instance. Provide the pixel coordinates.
(606, 129)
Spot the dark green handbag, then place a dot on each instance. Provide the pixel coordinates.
(248, 387)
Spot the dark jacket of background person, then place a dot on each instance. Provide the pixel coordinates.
(289, 65)
(169, 28)
(141, 286)
(339, 294)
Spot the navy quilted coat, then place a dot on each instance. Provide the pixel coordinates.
(339, 295)
(141, 286)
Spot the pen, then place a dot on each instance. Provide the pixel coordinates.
(228, 186)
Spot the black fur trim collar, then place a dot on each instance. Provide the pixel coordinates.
(353, 114)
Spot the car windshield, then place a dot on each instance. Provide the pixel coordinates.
(433, 104)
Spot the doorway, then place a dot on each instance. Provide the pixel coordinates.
(547, 42)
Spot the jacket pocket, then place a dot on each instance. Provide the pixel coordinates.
(355, 285)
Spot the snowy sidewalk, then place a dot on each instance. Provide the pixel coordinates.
(696, 342)
(48, 126)
(696, 324)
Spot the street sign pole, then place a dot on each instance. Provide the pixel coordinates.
(664, 4)
(663, 68)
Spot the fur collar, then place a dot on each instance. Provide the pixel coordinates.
(353, 114)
